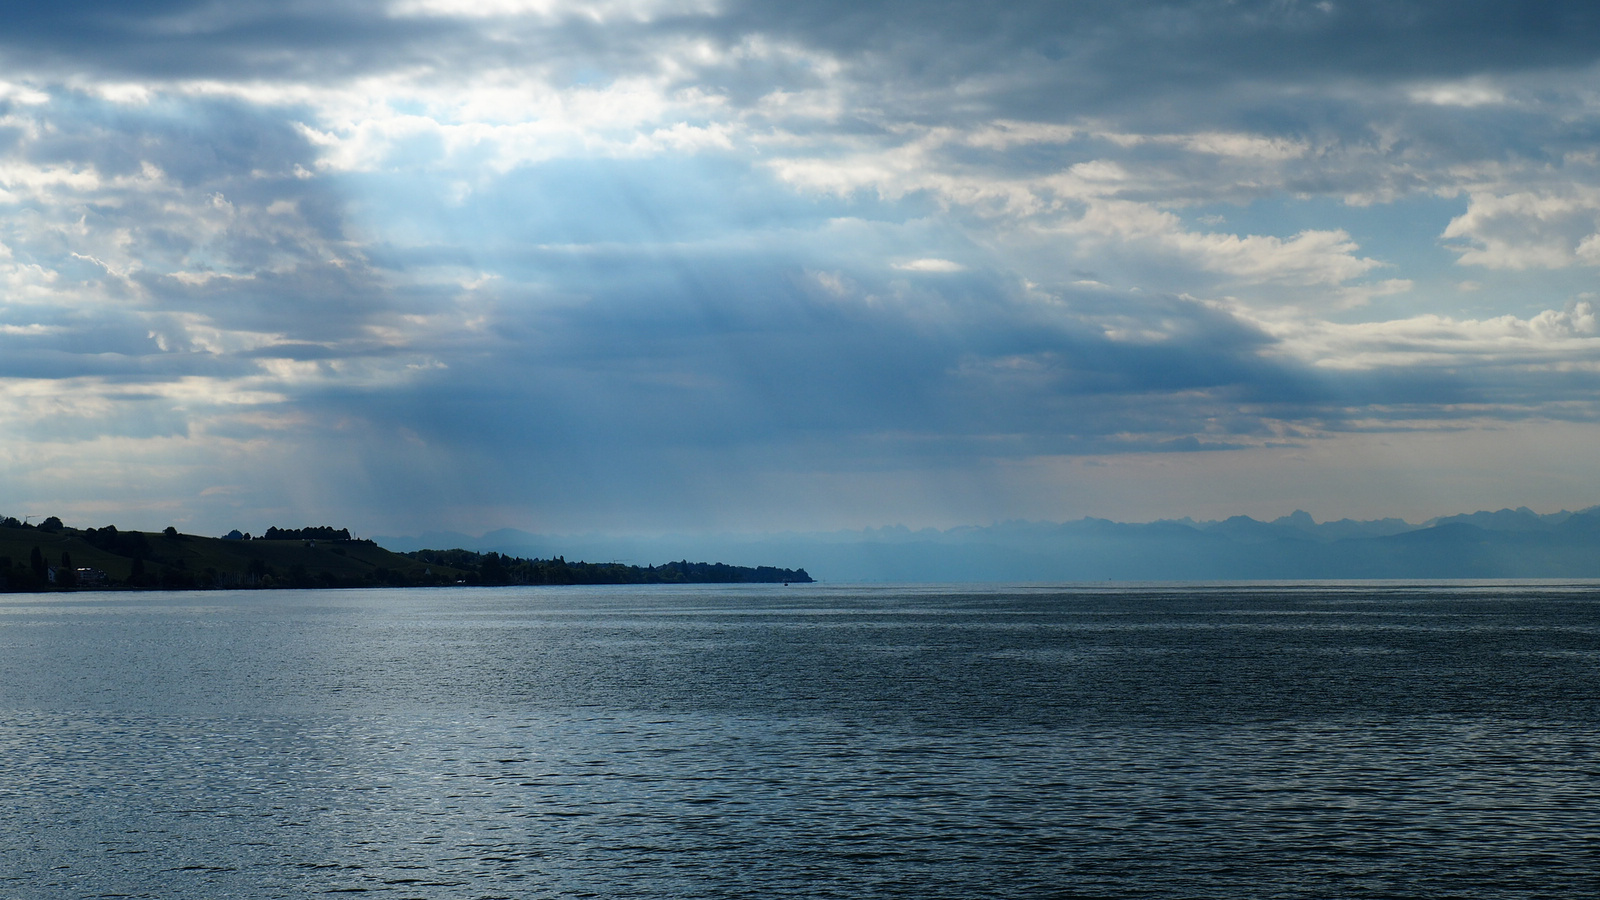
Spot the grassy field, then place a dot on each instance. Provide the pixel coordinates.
(17, 544)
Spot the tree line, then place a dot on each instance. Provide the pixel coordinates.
(312, 533)
(330, 559)
(494, 568)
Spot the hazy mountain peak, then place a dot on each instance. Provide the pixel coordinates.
(1297, 519)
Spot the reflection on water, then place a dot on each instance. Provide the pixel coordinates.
(1307, 741)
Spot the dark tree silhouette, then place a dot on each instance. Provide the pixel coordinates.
(66, 574)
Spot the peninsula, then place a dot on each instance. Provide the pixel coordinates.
(53, 556)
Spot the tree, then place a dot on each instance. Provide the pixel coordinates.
(133, 543)
(170, 531)
(51, 524)
(105, 537)
(67, 575)
(493, 569)
(36, 562)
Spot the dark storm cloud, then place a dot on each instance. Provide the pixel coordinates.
(665, 334)
(665, 373)
(1313, 70)
(206, 39)
(1102, 49)
(1114, 48)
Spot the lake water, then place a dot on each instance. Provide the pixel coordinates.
(1331, 741)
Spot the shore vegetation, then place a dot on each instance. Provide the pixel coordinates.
(52, 556)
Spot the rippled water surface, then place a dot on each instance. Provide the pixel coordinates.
(1244, 741)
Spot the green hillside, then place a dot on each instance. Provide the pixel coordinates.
(51, 556)
(151, 560)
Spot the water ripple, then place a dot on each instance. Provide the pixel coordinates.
(1257, 741)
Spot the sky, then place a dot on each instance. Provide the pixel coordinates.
(679, 266)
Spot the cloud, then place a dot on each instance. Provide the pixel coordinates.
(930, 265)
(1307, 260)
(521, 255)
(1516, 352)
(1470, 92)
(1528, 230)
(553, 10)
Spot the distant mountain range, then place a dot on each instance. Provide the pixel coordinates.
(1508, 543)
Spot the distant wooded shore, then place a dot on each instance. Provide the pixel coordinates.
(51, 556)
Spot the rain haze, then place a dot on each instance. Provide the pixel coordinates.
(649, 267)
